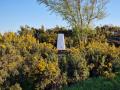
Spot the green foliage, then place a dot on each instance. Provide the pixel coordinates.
(99, 83)
(101, 57)
(79, 13)
(9, 65)
(29, 59)
(15, 87)
(25, 61)
(77, 68)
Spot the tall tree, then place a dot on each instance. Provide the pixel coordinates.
(78, 13)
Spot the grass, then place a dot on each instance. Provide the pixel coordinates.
(98, 83)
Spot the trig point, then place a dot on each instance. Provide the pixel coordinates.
(61, 47)
(60, 42)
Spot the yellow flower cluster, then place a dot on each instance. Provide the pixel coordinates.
(42, 65)
(46, 45)
(52, 68)
(49, 67)
(2, 46)
(74, 51)
(22, 42)
(104, 48)
(8, 37)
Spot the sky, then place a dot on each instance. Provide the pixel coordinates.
(16, 13)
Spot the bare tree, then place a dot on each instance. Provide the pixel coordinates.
(78, 13)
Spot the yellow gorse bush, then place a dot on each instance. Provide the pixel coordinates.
(50, 67)
(21, 42)
(32, 56)
(26, 41)
(8, 37)
(104, 48)
(47, 46)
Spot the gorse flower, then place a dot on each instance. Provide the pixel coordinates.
(2, 46)
(42, 65)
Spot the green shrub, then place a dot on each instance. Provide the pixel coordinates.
(96, 83)
(77, 68)
(16, 87)
(101, 58)
(9, 65)
(31, 59)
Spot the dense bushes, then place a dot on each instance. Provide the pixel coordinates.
(73, 66)
(29, 59)
(77, 65)
(101, 57)
(25, 61)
